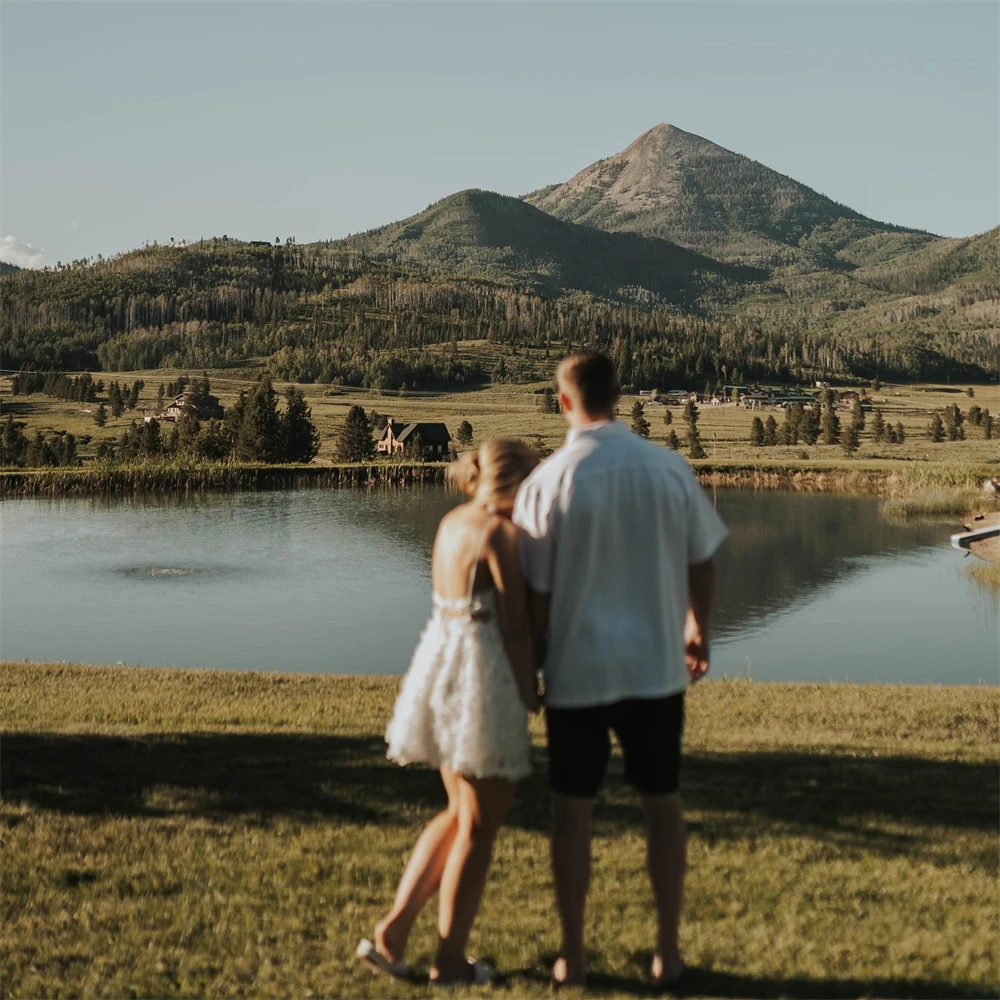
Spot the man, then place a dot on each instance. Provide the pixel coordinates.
(617, 546)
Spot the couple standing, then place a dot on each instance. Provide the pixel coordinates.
(596, 566)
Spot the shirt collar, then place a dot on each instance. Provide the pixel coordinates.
(598, 429)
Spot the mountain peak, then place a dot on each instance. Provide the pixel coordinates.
(682, 187)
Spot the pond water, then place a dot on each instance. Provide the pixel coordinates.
(811, 587)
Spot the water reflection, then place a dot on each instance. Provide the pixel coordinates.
(810, 586)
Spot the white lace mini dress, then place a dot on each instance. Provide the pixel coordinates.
(459, 706)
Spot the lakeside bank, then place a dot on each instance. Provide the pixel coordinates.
(884, 479)
(199, 833)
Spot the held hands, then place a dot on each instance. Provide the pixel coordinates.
(695, 648)
(529, 695)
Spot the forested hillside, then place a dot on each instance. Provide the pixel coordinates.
(486, 235)
(325, 313)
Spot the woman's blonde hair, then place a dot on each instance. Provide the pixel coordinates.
(495, 471)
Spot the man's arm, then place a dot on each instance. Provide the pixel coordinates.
(701, 593)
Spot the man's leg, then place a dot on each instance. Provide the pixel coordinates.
(666, 844)
(650, 732)
(571, 868)
(579, 747)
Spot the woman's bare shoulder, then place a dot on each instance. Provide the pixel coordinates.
(502, 534)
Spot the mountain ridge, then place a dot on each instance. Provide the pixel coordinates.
(477, 233)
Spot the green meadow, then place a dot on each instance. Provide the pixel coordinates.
(206, 834)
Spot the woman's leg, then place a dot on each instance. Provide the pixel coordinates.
(483, 805)
(421, 876)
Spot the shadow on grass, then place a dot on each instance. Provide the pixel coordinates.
(704, 982)
(349, 778)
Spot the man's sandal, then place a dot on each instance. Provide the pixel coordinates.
(482, 975)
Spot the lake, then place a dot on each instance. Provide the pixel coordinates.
(811, 586)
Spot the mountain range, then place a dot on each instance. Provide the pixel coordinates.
(673, 225)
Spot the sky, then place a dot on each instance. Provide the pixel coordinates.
(129, 122)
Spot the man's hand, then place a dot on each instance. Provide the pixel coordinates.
(701, 591)
(695, 649)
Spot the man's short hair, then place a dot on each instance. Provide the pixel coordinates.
(592, 375)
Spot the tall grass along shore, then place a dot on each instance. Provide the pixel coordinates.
(958, 483)
(209, 834)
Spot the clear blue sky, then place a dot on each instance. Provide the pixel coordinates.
(127, 122)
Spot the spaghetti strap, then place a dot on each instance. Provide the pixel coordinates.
(479, 556)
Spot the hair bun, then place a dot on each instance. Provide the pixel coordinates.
(463, 473)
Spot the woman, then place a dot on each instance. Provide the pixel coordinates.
(463, 709)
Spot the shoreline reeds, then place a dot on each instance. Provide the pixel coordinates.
(956, 484)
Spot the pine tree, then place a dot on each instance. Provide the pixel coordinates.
(259, 434)
(810, 425)
(695, 449)
(878, 427)
(160, 396)
(757, 432)
(354, 443)
(668, 417)
(890, 434)
(987, 424)
(116, 400)
(188, 430)
(975, 416)
(851, 439)
(858, 415)
(830, 424)
(793, 421)
(464, 433)
(935, 430)
(152, 443)
(101, 415)
(673, 441)
(301, 439)
(640, 425)
(900, 435)
(771, 431)
(13, 443)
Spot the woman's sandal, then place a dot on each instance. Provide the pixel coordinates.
(482, 975)
(377, 962)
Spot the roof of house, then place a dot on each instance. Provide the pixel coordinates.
(432, 433)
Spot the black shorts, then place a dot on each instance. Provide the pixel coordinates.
(648, 729)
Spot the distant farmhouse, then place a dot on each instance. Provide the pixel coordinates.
(434, 439)
(210, 408)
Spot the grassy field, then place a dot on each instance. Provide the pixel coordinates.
(180, 833)
(514, 410)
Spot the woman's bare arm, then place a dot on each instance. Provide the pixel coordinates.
(504, 561)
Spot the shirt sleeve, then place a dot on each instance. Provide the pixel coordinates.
(706, 530)
(533, 516)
